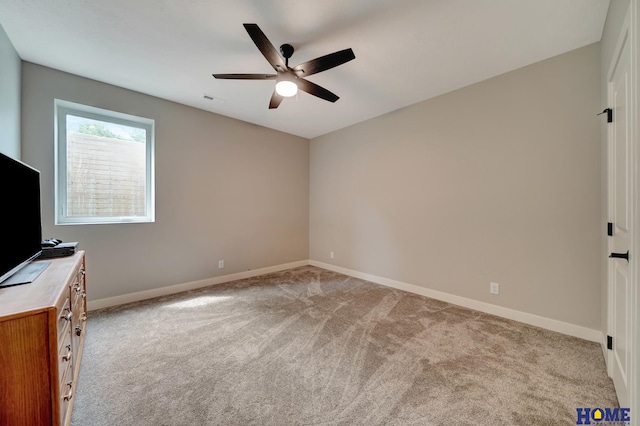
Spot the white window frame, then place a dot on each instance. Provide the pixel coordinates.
(62, 109)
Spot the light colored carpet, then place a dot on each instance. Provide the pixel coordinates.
(312, 347)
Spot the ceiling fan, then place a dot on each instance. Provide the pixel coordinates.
(289, 80)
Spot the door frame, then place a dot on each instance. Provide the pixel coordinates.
(634, 388)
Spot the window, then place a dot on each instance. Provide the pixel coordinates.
(104, 166)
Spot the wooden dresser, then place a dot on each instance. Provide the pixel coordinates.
(42, 329)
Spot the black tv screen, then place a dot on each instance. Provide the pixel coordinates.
(20, 219)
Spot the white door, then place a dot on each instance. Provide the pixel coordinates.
(620, 214)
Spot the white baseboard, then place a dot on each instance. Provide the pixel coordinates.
(531, 319)
(164, 291)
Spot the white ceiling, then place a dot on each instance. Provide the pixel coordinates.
(406, 50)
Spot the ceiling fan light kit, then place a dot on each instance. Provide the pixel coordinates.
(286, 88)
(289, 80)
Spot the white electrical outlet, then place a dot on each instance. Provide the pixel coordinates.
(220, 264)
(331, 254)
(494, 288)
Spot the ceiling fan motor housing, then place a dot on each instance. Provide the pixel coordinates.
(286, 50)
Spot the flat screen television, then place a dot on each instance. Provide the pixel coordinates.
(21, 216)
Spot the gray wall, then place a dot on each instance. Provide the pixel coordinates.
(498, 181)
(10, 65)
(225, 189)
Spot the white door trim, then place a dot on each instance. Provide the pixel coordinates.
(634, 261)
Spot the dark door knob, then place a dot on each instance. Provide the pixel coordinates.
(620, 255)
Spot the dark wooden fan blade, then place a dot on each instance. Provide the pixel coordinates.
(265, 47)
(324, 63)
(275, 100)
(315, 90)
(246, 76)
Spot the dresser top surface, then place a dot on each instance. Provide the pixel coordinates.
(44, 291)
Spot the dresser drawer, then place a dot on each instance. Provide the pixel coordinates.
(79, 290)
(79, 297)
(78, 279)
(65, 350)
(65, 315)
(67, 389)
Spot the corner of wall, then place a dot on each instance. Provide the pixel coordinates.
(10, 104)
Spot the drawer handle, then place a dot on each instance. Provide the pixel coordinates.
(78, 330)
(68, 316)
(68, 396)
(83, 316)
(69, 354)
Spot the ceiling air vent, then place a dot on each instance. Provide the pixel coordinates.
(214, 99)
